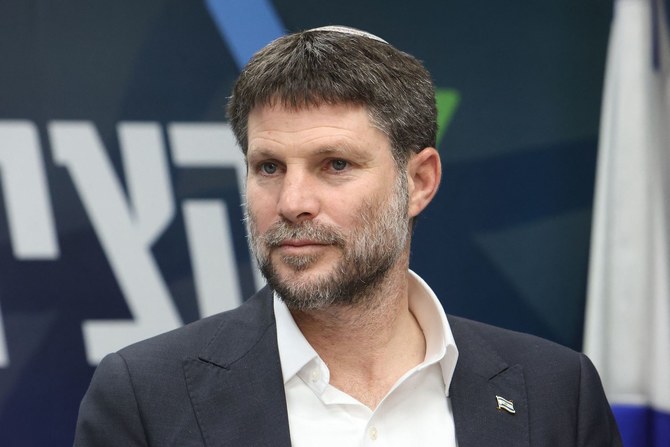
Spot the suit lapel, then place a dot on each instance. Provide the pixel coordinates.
(241, 364)
(236, 384)
(481, 375)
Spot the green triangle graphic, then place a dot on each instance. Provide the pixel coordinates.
(447, 100)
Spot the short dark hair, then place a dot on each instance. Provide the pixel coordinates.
(318, 66)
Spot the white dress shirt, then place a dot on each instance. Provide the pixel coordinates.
(415, 412)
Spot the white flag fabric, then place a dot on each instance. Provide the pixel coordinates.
(627, 332)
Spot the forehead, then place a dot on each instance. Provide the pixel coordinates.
(276, 124)
(277, 114)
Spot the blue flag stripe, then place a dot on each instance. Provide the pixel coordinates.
(642, 426)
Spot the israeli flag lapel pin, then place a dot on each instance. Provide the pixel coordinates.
(504, 404)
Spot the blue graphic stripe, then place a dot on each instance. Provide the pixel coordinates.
(642, 426)
(245, 25)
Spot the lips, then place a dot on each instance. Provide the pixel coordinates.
(300, 247)
(299, 243)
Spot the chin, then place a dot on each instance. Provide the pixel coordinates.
(301, 273)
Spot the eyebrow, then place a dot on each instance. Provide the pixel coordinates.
(260, 153)
(342, 149)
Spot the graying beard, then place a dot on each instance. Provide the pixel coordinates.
(299, 263)
(338, 286)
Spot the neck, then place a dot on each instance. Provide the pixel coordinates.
(370, 345)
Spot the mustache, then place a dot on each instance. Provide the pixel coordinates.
(312, 231)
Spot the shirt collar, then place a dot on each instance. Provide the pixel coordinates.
(428, 311)
(295, 352)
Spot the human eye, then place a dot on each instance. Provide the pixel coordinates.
(338, 164)
(268, 168)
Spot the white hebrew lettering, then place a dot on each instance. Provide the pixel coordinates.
(205, 146)
(125, 230)
(212, 255)
(28, 208)
(29, 214)
(147, 178)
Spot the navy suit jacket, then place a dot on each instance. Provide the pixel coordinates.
(218, 382)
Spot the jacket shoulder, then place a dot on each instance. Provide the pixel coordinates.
(566, 403)
(515, 347)
(193, 338)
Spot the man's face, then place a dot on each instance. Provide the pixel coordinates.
(327, 208)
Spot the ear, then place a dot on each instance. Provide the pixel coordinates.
(424, 171)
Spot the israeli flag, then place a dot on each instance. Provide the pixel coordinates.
(504, 404)
(627, 332)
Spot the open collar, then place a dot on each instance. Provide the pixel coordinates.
(296, 353)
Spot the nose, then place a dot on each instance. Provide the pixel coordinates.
(298, 198)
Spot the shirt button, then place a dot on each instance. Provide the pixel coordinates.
(372, 432)
(314, 375)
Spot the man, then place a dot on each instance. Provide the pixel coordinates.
(346, 346)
